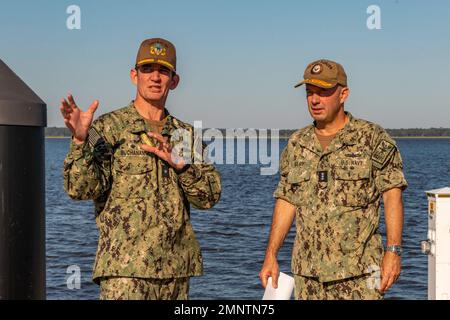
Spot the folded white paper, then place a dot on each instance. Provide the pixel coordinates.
(284, 290)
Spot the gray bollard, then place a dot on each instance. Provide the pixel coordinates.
(23, 116)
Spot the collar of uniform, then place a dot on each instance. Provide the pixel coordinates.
(137, 124)
(168, 126)
(309, 140)
(347, 136)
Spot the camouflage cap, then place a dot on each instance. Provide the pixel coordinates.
(324, 73)
(157, 50)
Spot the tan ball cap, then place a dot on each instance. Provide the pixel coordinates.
(157, 50)
(325, 74)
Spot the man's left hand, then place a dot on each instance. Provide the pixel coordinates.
(164, 151)
(390, 270)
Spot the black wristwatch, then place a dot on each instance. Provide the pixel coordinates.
(397, 249)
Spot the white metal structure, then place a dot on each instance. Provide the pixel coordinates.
(438, 244)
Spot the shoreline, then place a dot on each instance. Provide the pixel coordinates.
(421, 137)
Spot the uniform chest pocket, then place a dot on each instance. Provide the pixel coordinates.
(351, 186)
(132, 176)
(299, 181)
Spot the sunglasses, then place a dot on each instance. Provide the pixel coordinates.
(149, 68)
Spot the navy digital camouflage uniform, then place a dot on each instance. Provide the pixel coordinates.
(337, 195)
(142, 204)
(127, 288)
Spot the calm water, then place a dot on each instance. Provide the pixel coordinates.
(233, 234)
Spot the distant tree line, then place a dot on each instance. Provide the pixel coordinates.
(286, 133)
(57, 132)
(412, 132)
(431, 132)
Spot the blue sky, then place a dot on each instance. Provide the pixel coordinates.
(238, 60)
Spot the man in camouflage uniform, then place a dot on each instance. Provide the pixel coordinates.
(333, 175)
(141, 189)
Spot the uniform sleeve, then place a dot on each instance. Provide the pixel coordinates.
(87, 169)
(200, 181)
(387, 164)
(284, 189)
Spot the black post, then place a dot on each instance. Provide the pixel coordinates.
(23, 117)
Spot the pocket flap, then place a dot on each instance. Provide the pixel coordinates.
(298, 176)
(133, 164)
(351, 174)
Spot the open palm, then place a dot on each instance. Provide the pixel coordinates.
(75, 119)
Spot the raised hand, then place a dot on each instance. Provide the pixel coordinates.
(76, 120)
(164, 151)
